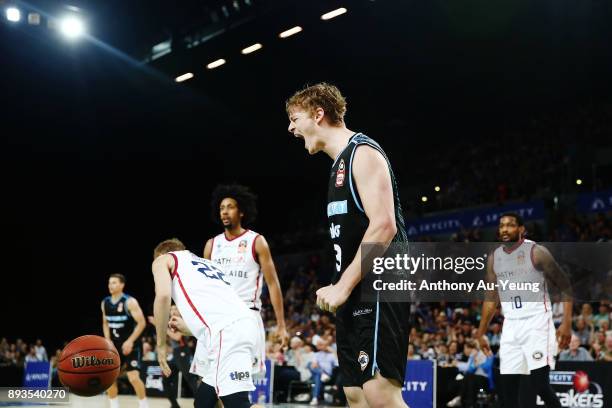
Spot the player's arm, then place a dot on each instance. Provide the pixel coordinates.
(488, 305)
(208, 249)
(138, 317)
(264, 256)
(373, 181)
(162, 267)
(105, 328)
(545, 262)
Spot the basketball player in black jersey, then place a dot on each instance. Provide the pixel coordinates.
(123, 323)
(363, 206)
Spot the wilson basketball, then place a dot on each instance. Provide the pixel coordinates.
(88, 365)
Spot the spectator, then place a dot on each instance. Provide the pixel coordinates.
(603, 315)
(412, 355)
(31, 356)
(575, 352)
(41, 352)
(147, 352)
(583, 331)
(322, 368)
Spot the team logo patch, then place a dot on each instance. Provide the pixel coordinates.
(520, 258)
(242, 246)
(363, 360)
(537, 355)
(134, 363)
(340, 174)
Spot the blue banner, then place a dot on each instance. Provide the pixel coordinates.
(37, 374)
(472, 218)
(418, 390)
(595, 202)
(262, 394)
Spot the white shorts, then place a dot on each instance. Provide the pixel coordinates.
(227, 364)
(259, 366)
(527, 344)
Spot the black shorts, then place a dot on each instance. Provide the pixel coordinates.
(132, 360)
(372, 337)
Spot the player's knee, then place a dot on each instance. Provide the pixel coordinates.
(133, 376)
(236, 400)
(381, 392)
(354, 396)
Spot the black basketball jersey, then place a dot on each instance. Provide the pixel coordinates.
(120, 321)
(347, 219)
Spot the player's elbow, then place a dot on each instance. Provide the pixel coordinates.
(386, 229)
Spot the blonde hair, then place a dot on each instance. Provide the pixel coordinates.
(169, 245)
(321, 95)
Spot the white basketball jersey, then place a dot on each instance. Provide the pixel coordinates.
(238, 258)
(203, 296)
(516, 278)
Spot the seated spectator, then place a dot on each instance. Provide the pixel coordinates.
(583, 331)
(147, 352)
(575, 352)
(478, 375)
(606, 352)
(411, 353)
(602, 316)
(31, 356)
(322, 368)
(494, 335)
(41, 352)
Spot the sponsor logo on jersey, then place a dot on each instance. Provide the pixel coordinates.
(120, 307)
(360, 312)
(363, 360)
(337, 208)
(240, 375)
(134, 363)
(340, 174)
(334, 231)
(520, 257)
(90, 361)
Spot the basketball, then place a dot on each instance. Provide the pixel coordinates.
(88, 365)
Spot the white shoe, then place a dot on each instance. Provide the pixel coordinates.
(302, 397)
(314, 401)
(455, 402)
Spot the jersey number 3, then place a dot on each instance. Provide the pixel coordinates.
(210, 271)
(338, 257)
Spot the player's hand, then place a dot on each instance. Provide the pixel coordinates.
(162, 360)
(283, 336)
(176, 323)
(127, 347)
(330, 298)
(564, 335)
(483, 341)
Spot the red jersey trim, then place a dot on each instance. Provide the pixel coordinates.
(237, 236)
(180, 282)
(212, 247)
(253, 250)
(175, 271)
(218, 360)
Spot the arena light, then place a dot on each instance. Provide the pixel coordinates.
(72, 27)
(578, 181)
(13, 14)
(290, 32)
(184, 77)
(333, 13)
(437, 189)
(33, 18)
(424, 199)
(216, 63)
(251, 48)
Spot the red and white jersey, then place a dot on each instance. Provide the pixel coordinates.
(522, 287)
(202, 294)
(238, 258)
